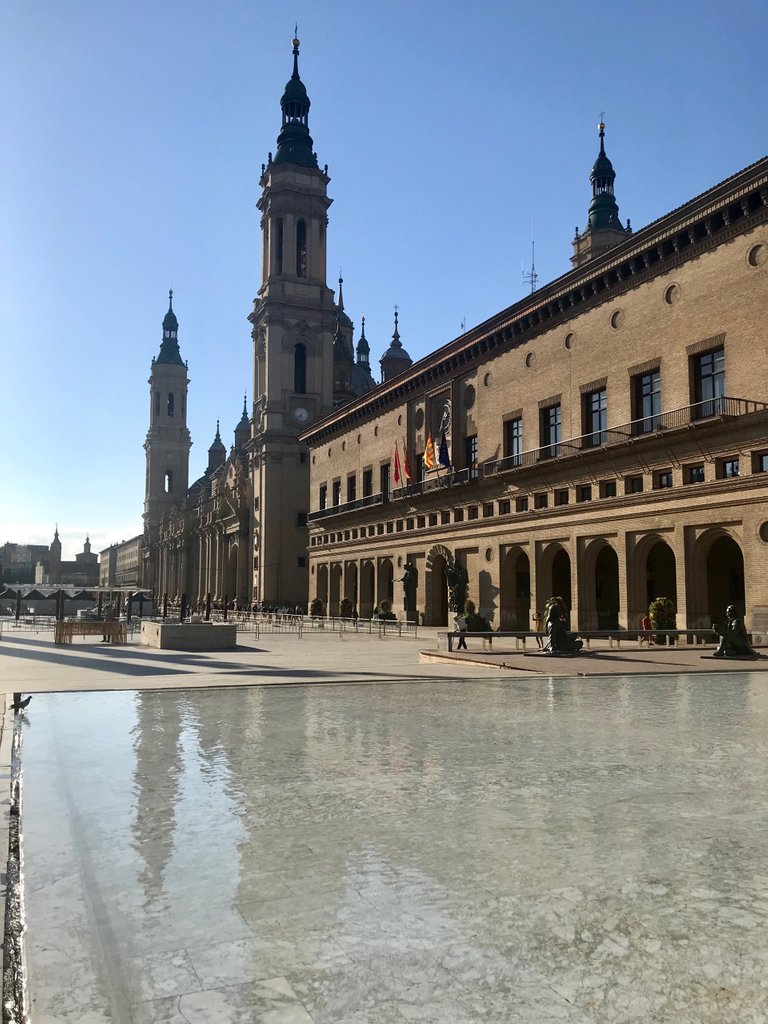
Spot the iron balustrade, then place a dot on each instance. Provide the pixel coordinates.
(646, 426)
(347, 506)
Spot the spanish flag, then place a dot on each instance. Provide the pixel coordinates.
(429, 454)
(406, 469)
(398, 473)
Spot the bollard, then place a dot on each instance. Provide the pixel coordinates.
(208, 607)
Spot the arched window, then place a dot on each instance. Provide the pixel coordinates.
(301, 249)
(170, 403)
(157, 403)
(279, 246)
(183, 406)
(300, 370)
(168, 482)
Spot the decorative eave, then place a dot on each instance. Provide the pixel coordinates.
(718, 215)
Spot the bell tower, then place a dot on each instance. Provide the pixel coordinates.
(604, 229)
(293, 321)
(168, 442)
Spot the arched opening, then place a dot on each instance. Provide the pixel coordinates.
(385, 589)
(230, 585)
(334, 596)
(168, 482)
(301, 248)
(515, 611)
(438, 592)
(300, 369)
(350, 583)
(170, 403)
(725, 578)
(279, 246)
(321, 589)
(367, 582)
(157, 403)
(660, 573)
(606, 588)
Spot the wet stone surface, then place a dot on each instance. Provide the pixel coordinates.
(577, 850)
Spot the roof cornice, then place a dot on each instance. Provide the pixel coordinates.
(716, 216)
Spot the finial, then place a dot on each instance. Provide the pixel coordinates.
(601, 130)
(396, 335)
(170, 299)
(218, 438)
(362, 325)
(341, 293)
(296, 51)
(245, 403)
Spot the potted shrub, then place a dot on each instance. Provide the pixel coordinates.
(662, 615)
(385, 611)
(345, 609)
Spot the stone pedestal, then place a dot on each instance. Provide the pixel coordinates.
(189, 636)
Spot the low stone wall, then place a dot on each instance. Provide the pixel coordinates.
(189, 636)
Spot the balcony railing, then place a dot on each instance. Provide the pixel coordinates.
(647, 426)
(347, 506)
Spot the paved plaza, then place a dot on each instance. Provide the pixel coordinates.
(458, 843)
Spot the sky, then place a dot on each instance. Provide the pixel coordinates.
(133, 137)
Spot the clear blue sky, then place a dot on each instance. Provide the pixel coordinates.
(133, 138)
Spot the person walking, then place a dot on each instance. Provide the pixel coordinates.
(647, 636)
(461, 625)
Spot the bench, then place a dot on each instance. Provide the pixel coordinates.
(660, 637)
(115, 632)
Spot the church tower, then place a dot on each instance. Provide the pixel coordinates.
(604, 230)
(168, 442)
(294, 319)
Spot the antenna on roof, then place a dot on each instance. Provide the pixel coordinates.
(531, 277)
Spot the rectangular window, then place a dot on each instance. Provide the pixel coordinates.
(458, 515)
(760, 462)
(662, 479)
(607, 488)
(324, 496)
(420, 521)
(728, 469)
(646, 400)
(470, 456)
(505, 507)
(695, 474)
(487, 510)
(337, 492)
(550, 424)
(418, 468)
(709, 383)
(367, 483)
(432, 519)
(540, 500)
(585, 492)
(561, 497)
(513, 440)
(595, 417)
(633, 485)
(352, 488)
(445, 518)
(384, 480)
(473, 512)
(521, 504)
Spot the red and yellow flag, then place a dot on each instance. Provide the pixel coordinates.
(398, 472)
(406, 469)
(429, 454)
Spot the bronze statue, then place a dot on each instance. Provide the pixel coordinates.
(560, 641)
(734, 641)
(456, 577)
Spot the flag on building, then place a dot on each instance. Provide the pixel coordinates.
(429, 454)
(406, 469)
(443, 457)
(398, 473)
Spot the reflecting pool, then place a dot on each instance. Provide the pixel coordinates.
(579, 850)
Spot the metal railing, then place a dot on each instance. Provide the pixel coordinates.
(347, 506)
(287, 623)
(646, 426)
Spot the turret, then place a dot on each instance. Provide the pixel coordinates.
(395, 359)
(604, 230)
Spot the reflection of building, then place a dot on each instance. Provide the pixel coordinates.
(18, 561)
(607, 435)
(82, 572)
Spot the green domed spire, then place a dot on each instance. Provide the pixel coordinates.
(169, 348)
(294, 143)
(603, 210)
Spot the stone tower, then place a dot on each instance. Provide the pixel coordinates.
(168, 441)
(293, 318)
(604, 230)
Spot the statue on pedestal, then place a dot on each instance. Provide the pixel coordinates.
(734, 641)
(410, 581)
(560, 641)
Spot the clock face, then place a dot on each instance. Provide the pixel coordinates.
(300, 414)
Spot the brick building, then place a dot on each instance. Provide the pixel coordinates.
(605, 439)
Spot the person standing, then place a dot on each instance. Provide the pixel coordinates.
(461, 625)
(538, 625)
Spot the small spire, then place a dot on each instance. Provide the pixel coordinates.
(245, 404)
(601, 130)
(56, 532)
(218, 435)
(396, 336)
(296, 45)
(341, 294)
(170, 300)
